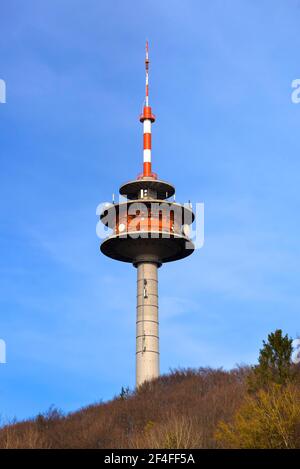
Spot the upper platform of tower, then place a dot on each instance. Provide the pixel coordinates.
(147, 188)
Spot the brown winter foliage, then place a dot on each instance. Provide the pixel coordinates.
(179, 410)
(185, 409)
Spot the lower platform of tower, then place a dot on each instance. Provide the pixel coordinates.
(147, 335)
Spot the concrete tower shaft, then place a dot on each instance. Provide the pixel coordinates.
(147, 334)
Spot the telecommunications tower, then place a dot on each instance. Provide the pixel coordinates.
(148, 229)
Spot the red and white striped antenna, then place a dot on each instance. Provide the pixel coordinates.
(147, 118)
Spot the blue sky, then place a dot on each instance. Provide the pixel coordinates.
(227, 134)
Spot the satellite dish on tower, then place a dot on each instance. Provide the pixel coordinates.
(296, 351)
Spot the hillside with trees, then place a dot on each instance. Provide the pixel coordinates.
(247, 407)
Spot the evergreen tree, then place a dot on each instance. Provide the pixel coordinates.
(274, 362)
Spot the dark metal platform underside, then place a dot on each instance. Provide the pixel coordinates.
(127, 249)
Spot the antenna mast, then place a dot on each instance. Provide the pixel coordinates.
(147, 118)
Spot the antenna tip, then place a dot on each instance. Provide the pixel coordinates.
(147, 56)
